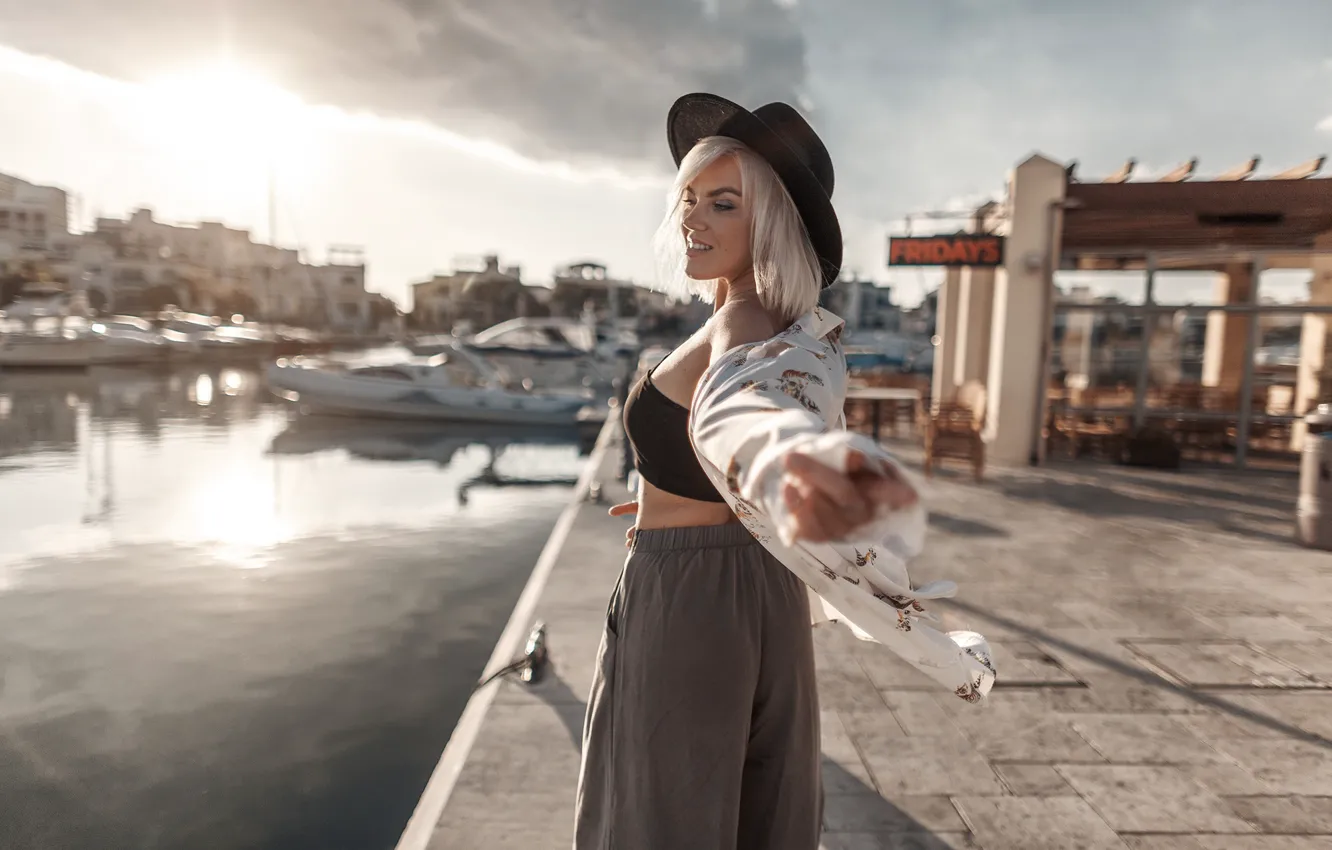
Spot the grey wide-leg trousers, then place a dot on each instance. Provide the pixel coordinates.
(702, 727)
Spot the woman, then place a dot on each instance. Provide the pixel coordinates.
(702, 728)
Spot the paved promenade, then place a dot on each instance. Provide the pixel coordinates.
(1165, 660)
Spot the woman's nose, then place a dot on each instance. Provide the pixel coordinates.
(692, 221)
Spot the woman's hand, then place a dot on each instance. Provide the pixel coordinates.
(826, 504)
(624, 509)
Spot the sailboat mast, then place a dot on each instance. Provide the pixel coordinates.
(272, 205)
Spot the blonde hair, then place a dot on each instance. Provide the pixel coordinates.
(787, 273)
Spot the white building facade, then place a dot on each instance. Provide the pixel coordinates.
(123, 264)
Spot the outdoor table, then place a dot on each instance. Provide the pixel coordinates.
(876, 397)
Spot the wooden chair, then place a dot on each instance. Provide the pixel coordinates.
(953, 429)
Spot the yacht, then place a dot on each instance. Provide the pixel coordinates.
(454, 386)
(549, 352)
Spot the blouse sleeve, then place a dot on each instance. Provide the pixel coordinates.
(773, 399)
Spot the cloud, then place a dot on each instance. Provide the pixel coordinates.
(281, 112)
(919, 103)
(925, 102)
(574, 80)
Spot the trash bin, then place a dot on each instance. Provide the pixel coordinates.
(1313, 511)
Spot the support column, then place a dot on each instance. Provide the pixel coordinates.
(1223, 348)
(945, 330)
(1022, 298)
(1313, 379)
(975, 310)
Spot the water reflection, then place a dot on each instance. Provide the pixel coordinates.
(223, 626)
(115, 455)
(389, 440)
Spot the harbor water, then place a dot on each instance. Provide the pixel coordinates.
(224, 625)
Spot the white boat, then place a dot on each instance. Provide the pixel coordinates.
(131, 328)
(454, 386)
(215, 339)
(38, 301)
(81, 348)
(549, 352)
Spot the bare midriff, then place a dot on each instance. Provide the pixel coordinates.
(658, 509)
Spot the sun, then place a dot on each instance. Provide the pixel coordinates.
(228, 126)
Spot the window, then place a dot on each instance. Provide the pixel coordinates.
(382, 372)
(520, 338)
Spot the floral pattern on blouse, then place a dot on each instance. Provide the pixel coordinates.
(796, 384)
(742, 354)
(760, 403)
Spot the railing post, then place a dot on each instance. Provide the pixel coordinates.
(1145, 349)
(1246, 382)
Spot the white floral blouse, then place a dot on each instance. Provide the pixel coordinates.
(765, 400)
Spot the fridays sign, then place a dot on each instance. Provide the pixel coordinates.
(960, 250)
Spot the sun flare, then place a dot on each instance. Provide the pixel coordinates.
(235, 510)
(229, 126)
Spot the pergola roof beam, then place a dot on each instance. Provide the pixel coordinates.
(1303, 171)
(1124, 173)
(1180, 174)
(1240, 172)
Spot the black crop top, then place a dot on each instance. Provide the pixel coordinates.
(658, 433)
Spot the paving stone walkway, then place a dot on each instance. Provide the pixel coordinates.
(1165, 654)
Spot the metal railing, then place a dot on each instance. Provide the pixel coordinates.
(1140, 412)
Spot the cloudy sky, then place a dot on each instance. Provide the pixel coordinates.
(433, 131)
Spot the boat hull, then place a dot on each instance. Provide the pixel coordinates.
(340, 394)
(75, 353)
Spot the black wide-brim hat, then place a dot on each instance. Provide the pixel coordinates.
(784, 139)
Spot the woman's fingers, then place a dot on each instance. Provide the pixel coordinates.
(855, 461)
(817, 518)
(861, 484)
(893, 492)
(826, 504)
(836, 485)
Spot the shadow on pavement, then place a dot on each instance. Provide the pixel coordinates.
(858, 810)
(852, 807)
(1145, 676)
(555, 691)
(1104, 498)
(963, 527)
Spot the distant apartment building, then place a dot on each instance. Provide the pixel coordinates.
(31, 216)
(585, 287)
(478, 297)
(494, 293)
(139, 263)
(221, 269)
(863, 305)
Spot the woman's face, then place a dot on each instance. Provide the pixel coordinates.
(717, 224)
